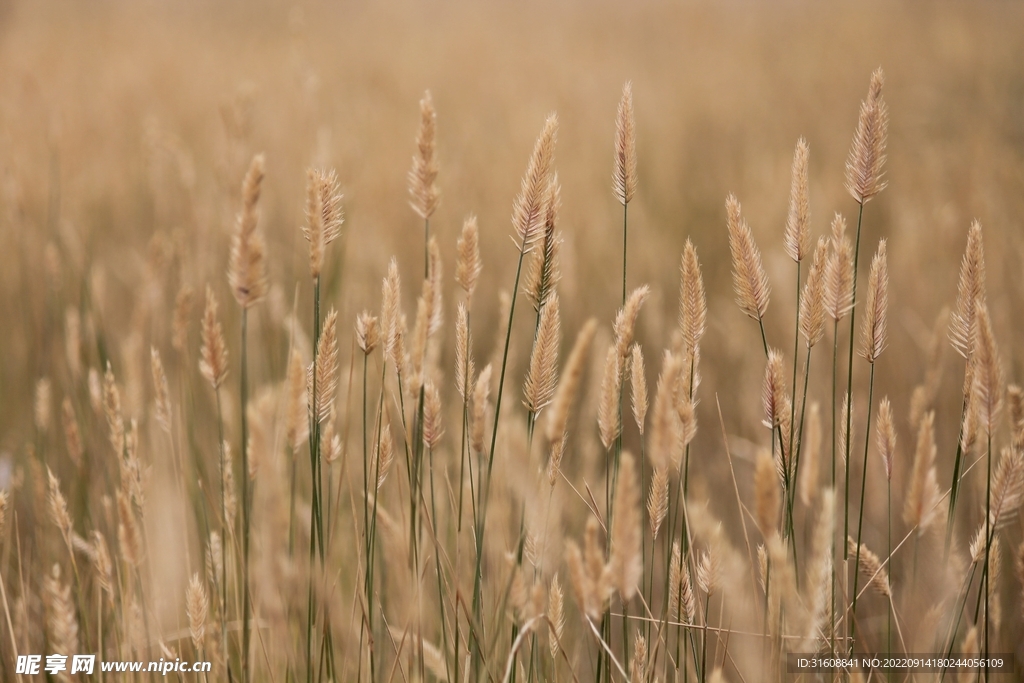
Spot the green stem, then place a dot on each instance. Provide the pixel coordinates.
(246, 503)
(860, 523)
(849, 386)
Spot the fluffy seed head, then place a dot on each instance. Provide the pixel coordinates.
(692, 302)
(528, 210)
(624, 178)
(544, 273)
(464, 367)
(812, 301)
(213, 360)
(657, 500)
(468, 264)
(839, 272)
(920, 508)
(877, 304)
(112, 410)
(247, 270)
(481, 406)
(324, 215)
(423, 175)
(568, 388)
(539, 388)
(161, 391)
(433, 430)
(196, 604)
(970, 290)
(326, 367)
(608, 405)
(666, 435)
(390, 312)
(871, 567)
(773, 390)
(1007, 488)
(626, 532)
(886, 436)
(798, 223)
(987, 389)
(367, 332)
(638, 386)
(625, 320)
(556, 615)
(864, 167)
(296, 423)
(748, 275)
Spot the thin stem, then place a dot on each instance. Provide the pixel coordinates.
(860, 524)
(246, 600)
(849, 385)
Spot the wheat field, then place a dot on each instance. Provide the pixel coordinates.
(529, 341)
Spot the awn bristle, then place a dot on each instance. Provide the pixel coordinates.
(864, 167)
(873, 336)
(638, 386)
(1007, 488)
(921, 506)
(748, 276)
(839, 272)
(423, 175)
(528, 210)
(182, 312)
(468, 264)
(625, 319)
(213, 359)
(970, 290)
(324, 215)
(556, 615)
(871, 567)
(545, 273)
(72, 435)
(693, 308)
(433, 429)
(326, 367)
(886, 436)
(62, 626)
(624, 178)
(608, 404)
(811, 456)
(367, 332)
(812, 300)
(247, 270)
(481, 406)
(161, 391)
(43, 400)
(196, 604)
(657, 500)
(798, 222)
(767, 496)
(542, 376)
(627, 530)
(773, 390)
(987, 389)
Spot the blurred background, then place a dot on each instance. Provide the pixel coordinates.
(126, 128)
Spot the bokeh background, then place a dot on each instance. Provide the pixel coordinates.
(126, 127)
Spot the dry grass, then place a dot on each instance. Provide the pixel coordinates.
(208, 227)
